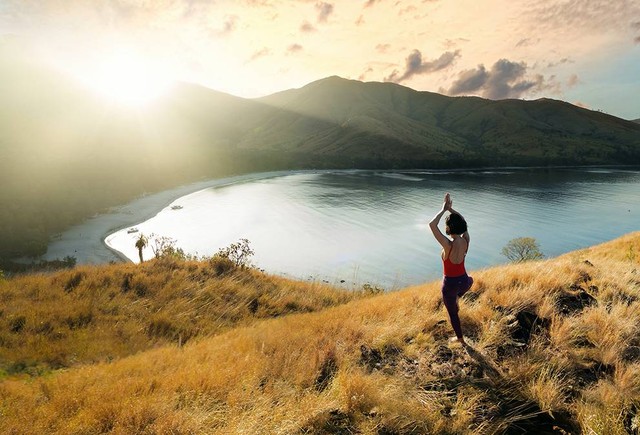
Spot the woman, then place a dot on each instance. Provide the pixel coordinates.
(456, 282)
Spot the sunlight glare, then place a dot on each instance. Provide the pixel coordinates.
(126, 78)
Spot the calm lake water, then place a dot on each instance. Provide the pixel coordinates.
(371, 227)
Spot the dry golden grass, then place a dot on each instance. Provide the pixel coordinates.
(554, 343)
(92, 314)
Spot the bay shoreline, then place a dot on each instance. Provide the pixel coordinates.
(86, 241)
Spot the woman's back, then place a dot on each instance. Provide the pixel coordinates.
(457, 251)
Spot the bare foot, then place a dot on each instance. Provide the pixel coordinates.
(458, 340)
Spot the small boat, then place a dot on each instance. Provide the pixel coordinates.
(176, 207)
(132, 230)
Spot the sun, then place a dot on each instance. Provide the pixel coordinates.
(126, 78)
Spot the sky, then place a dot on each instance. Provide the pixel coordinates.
(586, 52)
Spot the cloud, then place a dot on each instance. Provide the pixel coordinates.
(370, 3)
(382, 48)
(324, 10)
(595, 15)
(193, 8)
(416, 65)
(228, 27)
(407, 10)
(257, 3)
(260, 53)
(307, 27)
(527, 41)
(362, 76)
(505, 79)
(469, 81)
(294, 48)
(450, 44)
(360, 20)
(573, 80)
(560, 62)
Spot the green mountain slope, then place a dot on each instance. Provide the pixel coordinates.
(404, 127)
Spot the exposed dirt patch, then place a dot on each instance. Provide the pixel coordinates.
(390, 359)
(329, 422)
(574, 300)
(328, 370)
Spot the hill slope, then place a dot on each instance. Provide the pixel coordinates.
(555, 347)
(92, 314)
(384, 123)
(67, 154)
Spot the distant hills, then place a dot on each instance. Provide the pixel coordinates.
(637, 120)
(387, 125)
(67, 154)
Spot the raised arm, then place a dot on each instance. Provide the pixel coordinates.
(441, 238)
(467, 237)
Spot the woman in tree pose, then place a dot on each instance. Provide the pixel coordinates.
(456, 282)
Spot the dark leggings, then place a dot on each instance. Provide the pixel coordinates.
(452, 288)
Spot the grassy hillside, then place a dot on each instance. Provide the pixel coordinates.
(385, 122)
(92, 314)
(555, 349)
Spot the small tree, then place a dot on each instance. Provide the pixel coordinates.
(141, 243)
(522, 249)
(165, 247)
(239, 253)
(69, 261)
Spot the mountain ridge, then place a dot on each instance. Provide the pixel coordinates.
(437, 130)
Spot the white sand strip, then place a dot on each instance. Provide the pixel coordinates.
(86, 240)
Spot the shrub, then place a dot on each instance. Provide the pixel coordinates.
(221, 265)
(165, 247)
(369, 289)
(17, 324)
(522, 249)
(74, 281)
(239, 253)
(69, 261)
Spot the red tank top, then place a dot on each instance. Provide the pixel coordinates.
(451, 269)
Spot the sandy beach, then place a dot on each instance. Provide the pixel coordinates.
(85, 241)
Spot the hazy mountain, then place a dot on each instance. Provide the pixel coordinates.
(395, 125)
(66, 154)
(637, 120)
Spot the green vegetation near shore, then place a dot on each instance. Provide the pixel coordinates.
(200, 347)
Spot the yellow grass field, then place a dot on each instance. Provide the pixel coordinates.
(181, 349)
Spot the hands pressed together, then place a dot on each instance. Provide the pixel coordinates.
(448, 203)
